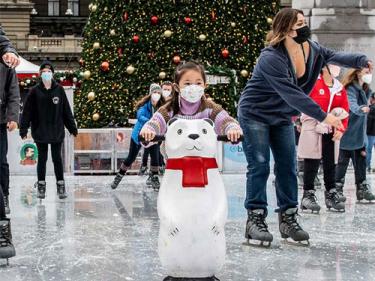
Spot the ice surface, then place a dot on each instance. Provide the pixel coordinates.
(102, 235)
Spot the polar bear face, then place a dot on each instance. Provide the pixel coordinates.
(190, 138)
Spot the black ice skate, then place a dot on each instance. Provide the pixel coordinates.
(161, 170)
(6, 204)
(155, 183)
(41, 189)
(170, 278)
(340, 191)
(257, 229)
(364, 193)
(333, 201)
(116, 180)
(6, 246)
(149, 180)
(61, 190)
(308, 202)
(290, 228)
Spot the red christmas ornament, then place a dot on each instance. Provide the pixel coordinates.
(125, 16)
(154, 20)
(176, 59)
(245, 40)
(119, 51)
(225, 53)
(105, 66)
(188, 20)
(136, 39)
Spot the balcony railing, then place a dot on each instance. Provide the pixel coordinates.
(35, 44)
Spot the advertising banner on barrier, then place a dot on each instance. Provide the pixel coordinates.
(234, 160)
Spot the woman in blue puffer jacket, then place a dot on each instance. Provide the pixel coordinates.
(145, 109)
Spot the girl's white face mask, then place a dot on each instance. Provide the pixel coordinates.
(192, 93)
(166, 93)
(367, 78)
(155, 97)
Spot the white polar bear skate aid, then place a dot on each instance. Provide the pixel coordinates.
(192, 203)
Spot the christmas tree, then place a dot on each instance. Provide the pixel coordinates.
(130, 44)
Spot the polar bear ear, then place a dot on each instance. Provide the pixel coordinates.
(209, 121)
(171, 121)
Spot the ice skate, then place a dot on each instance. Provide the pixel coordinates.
(257, 233)
(290, 228)
(308, 202)
(116, 180)
(61, 190)
(7, 249)
(333, 202)
(364, 193)
(340, 191)
(41, 189)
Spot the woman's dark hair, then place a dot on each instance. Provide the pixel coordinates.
(142, 101)
(281, 25)
(166, 83)
(181, 69)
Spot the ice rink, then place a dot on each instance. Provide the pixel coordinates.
(100, 234)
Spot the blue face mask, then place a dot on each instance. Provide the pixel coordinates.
(46, 76)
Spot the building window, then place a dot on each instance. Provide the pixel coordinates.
(73, 5)
(53, 7)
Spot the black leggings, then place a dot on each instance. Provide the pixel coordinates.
(146, 153)
(56, 158)
(133, 152)
(359, 162)
(3, 150)
(311, 166)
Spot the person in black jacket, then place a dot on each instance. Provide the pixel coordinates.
(47, 110)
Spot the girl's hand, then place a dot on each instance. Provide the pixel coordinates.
(147, 134)
(234, 134)
(337, 135)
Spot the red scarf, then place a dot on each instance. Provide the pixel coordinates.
(194, 170)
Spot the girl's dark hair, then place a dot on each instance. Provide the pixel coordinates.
(181, 69)
(166, 83)
(281, 25)
(142, 101)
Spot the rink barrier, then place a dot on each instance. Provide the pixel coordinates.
(101, 151)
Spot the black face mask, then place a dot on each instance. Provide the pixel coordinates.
(303, 34)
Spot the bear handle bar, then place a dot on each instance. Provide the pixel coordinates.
(159, 138)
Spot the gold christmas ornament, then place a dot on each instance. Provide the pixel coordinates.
(202, 37)
(96, 45)
(87, 74)
(96, 117)
(162, 75)
(94, 8)
(244, 73)
(167, 33)
(233, 24)
(269, 20)
(91, 96)
(112, 32)
(130, 69)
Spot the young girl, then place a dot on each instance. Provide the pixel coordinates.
(167, 91)
(317, 141)
(188, 102)
(47, 110)
(145, 109)
(353, 143)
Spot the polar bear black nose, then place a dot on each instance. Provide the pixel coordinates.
(193, 136)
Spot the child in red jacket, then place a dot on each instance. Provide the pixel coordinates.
(320, 141)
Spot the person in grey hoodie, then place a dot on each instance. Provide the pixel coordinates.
(284, 75)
